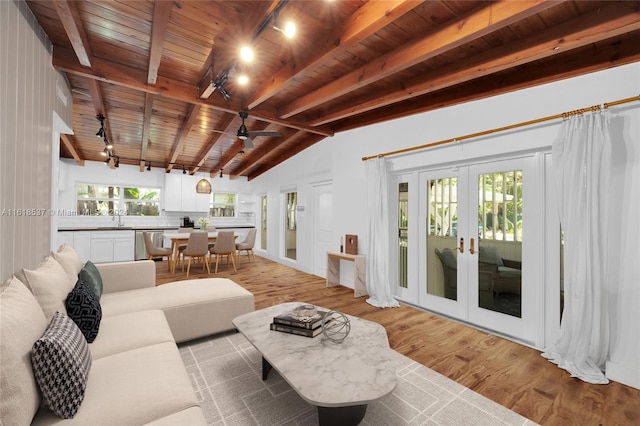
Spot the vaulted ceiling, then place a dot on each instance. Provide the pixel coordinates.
(144, 66)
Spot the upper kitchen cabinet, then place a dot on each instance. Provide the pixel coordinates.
(180, 194)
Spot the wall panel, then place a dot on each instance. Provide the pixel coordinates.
(27, 102)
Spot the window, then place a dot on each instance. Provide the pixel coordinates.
(500, 206)
(223, 205)
(108, 200)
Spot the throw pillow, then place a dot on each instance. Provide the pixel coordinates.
(70, 261)
(61, 362)
(50, 284)
(90, 275)
(83, 307)
(22, 322)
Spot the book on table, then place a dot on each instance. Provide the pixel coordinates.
(291, 329)
(311, 323)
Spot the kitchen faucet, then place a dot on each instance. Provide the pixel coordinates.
(120, 221)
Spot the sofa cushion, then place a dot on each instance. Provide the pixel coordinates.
(133, 388)
(61, 362)
(91, 277)
(18, 387)
(83, 307)
(70, 261)
(194, 308)
(50, 285)
(134, 330)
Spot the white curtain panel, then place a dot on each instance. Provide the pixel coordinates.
(582, 166)
(378, 276)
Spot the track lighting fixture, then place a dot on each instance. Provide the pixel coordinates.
(221, 173)
(148, 167)
(105, 152)
(184, 172)
(116, 161)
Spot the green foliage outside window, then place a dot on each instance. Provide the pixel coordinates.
(107, 200)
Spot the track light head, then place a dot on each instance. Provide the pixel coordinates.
(184, 171)
(148, 167)
(220, 172)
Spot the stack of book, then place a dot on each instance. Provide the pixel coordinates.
(286, 323)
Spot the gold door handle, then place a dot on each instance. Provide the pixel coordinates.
(471, 248)
(461, 248)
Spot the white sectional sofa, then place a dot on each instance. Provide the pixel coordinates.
(136, 374)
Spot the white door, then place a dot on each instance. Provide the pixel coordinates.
(324, 239)
(478, 265)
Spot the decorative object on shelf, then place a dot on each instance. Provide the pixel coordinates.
(336, 326)
(352, 244)
(203, 222)
(203, 186)
(341, 245)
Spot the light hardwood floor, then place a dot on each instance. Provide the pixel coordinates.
(513, 375)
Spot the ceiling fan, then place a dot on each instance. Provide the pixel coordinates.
(246, 135)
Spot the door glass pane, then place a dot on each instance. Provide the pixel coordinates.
(442, 232)
(403, 229)
(500, 233)
(263, 223)
(291, 225)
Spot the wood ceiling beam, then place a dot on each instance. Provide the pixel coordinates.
(70, 18)
(476, 24)
(229, 155)
(599, 25)
(187, 123)
(146, 127)
(161, 13)
(260, 153)
(226, 124)
(126, 76)
(610, 53)
(285, 155)
(367, 20)
(68, 142)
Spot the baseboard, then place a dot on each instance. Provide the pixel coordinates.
(623, 374)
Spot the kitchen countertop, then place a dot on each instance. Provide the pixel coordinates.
(142, 228)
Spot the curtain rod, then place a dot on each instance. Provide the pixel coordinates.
(509, 127)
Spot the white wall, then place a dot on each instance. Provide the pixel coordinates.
(339, 159)
(29, 88)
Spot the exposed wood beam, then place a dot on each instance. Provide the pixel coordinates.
(161, 12)
(258, 154)
(123, 75)
(478, 23)
(229, 155)
(226, 124)
(610, 53)
(70, 18)
(285, 155)
(68, 142)
(602, 24)
(368, 19)
(146, 127)
(192, 114)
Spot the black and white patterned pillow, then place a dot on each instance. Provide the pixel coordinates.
(83, 307)
(61, 363)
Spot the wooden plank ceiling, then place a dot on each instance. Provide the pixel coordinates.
(351, 63)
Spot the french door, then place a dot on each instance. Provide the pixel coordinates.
(475, 260)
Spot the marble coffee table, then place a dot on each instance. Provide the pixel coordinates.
(339, 378)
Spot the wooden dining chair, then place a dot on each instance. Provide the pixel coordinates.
(225, 246)
(197, 248)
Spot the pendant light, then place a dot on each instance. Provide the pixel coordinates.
(203, 186)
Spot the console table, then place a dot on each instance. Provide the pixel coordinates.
(359, 271)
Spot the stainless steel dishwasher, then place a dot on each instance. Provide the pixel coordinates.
(141, 250)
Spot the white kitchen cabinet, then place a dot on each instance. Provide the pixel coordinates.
(79, 240)
(180, 194)
(112, 246)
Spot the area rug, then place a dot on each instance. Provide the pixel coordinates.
(226, 371)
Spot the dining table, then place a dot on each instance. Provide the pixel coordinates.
(178, 238)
